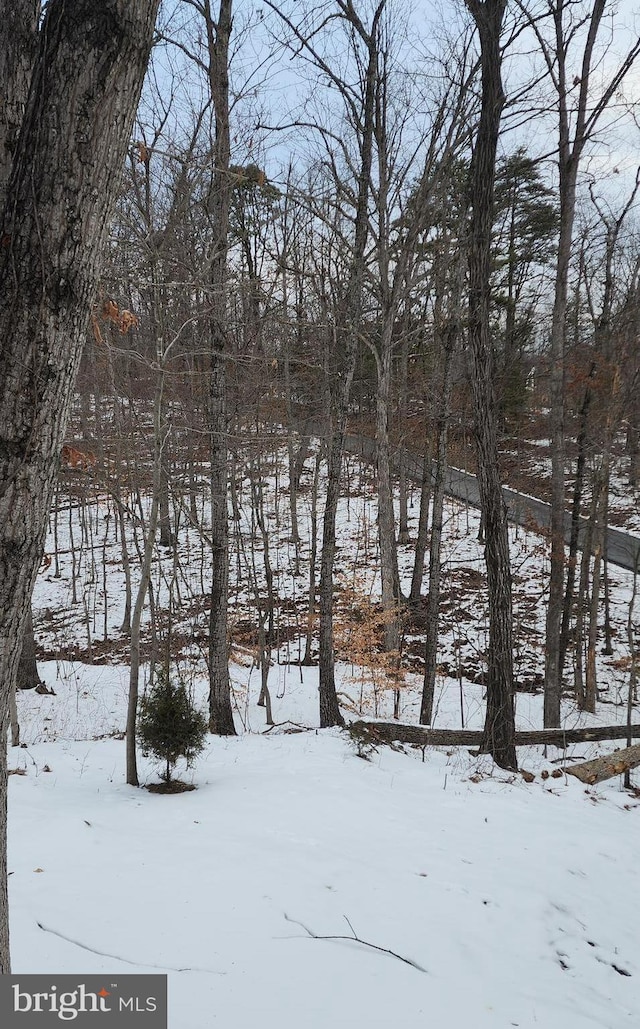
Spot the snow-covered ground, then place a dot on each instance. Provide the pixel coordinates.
(504, 903)
(477, 898)
(73, 621)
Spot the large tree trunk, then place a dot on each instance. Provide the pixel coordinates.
(499, 730)
(220, 711)
(18, 45)
(66, 172)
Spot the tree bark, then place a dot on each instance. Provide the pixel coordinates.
(347, 340)
(28, 677)
(575, 523)
(592, 772)
(435, 566)
(330, 713)
(220, 710)
(499, 728)
(389, 732)
(403, 403)
(135, 636)
(66, 172)
(389, 573)
(423, 525)
(18, 45)
(313, 554)
(13, 720)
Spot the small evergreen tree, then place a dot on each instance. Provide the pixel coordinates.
(169, 725)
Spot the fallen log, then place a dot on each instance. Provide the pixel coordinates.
(592, 772)
(423, 736)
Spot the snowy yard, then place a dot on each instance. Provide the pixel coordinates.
(477, 898)
(519, 902)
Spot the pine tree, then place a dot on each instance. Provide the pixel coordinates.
(169, 725)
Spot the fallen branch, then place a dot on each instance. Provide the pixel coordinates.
(354, 938)
(423, 736)
(606, 767)
(117, 957)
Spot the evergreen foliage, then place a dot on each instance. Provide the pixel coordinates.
(169, 725)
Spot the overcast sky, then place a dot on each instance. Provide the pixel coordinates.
(277, 86)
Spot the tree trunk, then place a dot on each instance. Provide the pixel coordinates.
(592, 772)
(403, 396)
(633, 442)
(329, 707)
(18, 47)
(583, 588)
(575, 522)
(435, 567)
(18, 44)
(28, 677)
(591, 685)
(631, 694)
(293, 485)
(66, 174)
(346, 354)
(386, 520)
(423, 525)
(311, 605)
(608, 635)
(499, 728)
(13, 719)
(134, 646)
(421, 736)
(568, 161)
(220, 711)
(164, 520)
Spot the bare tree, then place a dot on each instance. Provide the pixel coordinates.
(159, 435)
(447, 332)
(359, 103)
(499, 730)
(218, 32)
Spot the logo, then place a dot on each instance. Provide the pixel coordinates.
(125, 1002)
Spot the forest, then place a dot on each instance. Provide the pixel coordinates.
(320, 440)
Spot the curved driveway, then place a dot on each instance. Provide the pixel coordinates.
(623, 548)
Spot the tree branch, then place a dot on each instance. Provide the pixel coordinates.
(354, 938)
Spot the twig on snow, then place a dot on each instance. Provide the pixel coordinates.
(116, 957)
(354, 938)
